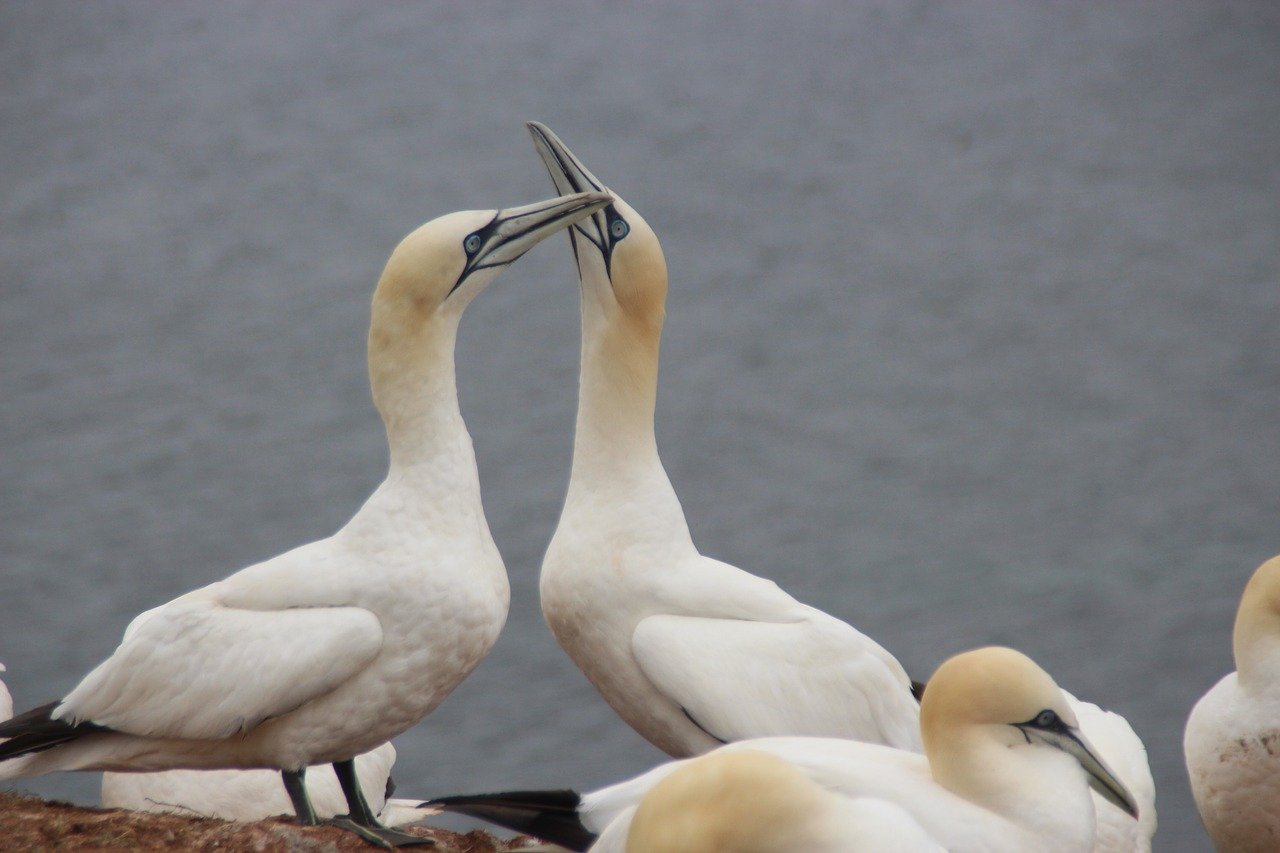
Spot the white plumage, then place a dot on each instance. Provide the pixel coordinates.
(690, 651)
(1006, 769)
(1232, 738)
(246, 794)
(330, 649)
(6, 700)
(1119, 745)
(753, 802)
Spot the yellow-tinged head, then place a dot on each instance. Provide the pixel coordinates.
(620, 261)
(998, 697)
(1255, 640)
(431, 276)
(733, 801)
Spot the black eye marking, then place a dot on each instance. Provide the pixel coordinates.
(471, 244)
(619, 228)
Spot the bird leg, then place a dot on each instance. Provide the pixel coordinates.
(295, 785)
(361, 820)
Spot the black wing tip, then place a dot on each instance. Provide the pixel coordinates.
(549, 815)
(36, 731)
(558, 799)
(917, 689)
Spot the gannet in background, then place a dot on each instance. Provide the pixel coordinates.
(6, 701)
(1232, 739)
(690, 651)
(247, 794)
(335, 647)
(1005, 769)
(754, 802)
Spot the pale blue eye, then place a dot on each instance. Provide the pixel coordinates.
(1046, 718)
(472, 244)
(619, 228)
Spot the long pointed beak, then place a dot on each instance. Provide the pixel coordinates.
(515, 230)
(570, 176)
(1101, 777)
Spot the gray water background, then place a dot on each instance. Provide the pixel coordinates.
(971, 335)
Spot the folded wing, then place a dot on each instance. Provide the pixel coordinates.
(739, 678)
(196, 669)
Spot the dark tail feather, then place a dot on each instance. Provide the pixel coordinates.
(549, 815)
(35, 731)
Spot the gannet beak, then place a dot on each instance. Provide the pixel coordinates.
(570, 176)
(1101, 778)
(516, 230)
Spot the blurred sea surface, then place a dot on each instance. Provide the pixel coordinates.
(971, 335)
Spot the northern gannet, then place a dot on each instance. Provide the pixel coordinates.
(1005, 769)
(1232, 739)
(247, 794)
(332, 648)
(754, 802)
(690, 651)
(6, 701)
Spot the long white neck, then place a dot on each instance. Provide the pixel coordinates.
(615, 452)
(415, 391)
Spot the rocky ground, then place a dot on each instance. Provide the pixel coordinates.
(29, 823)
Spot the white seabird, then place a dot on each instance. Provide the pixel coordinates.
(690, 651)
(1005, 769)
(6, 700)
(247, 795)
(1232, 739)
(753, 802)
(332, 648)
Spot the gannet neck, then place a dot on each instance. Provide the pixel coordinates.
(617, 399)
(411, 372)
(623, 307)
(1024, 784)
(1255, 640)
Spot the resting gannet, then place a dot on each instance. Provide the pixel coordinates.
(1232, 739)
(1005, 769)
(690, 651)
(754, 802)
(332, 648)
(247, 794)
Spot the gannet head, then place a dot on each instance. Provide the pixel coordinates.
(429, 280)
(620, 261)
(441, 266)
(1255, 640)
(998, 696)
(741, 800)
